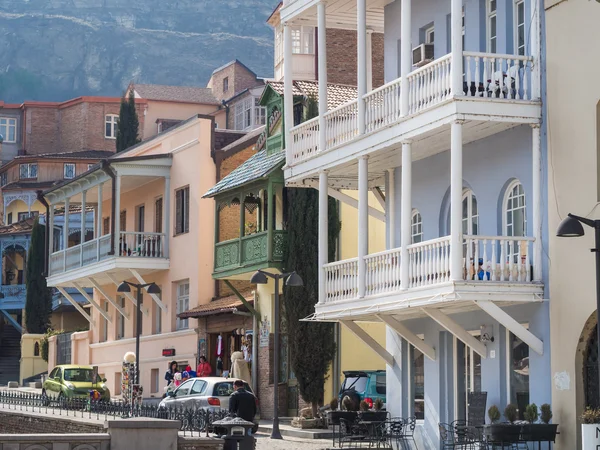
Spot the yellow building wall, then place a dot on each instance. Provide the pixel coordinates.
(353, 353)
(31, 364)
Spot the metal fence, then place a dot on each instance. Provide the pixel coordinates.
(194, 421)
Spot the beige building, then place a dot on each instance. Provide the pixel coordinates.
(573, 187)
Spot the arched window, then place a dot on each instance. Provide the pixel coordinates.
(470, 213)
(515, 215)
(36, 349)
(416, 227)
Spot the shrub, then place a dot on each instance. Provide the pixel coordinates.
(591, 416)
(494, 414)
(511, 413)
(333, 404)
(364, 406)
(546, 415)
(531, 413)
(378, 404)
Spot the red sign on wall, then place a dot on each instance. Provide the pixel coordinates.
(168, 352)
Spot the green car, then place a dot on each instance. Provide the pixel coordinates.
(363, 385)
(68, 381)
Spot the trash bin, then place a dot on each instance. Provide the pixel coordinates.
(237, 435)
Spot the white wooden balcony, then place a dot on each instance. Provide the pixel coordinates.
(495, 268)
(497, 94)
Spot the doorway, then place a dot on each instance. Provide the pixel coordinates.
(468, 376)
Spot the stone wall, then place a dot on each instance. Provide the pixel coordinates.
(15, 423)
(55, 442)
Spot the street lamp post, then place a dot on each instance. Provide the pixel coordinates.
(152, 288)
(571, 227)
(291, 279)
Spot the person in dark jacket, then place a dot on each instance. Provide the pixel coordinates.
(242, 403)
(170, 374)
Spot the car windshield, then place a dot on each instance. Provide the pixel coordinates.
(78, 375)
(225, 389)
(358, 383)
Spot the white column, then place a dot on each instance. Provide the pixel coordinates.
(117, 201)
(322, 35)
(361, 69)
(29, 203)
(363, 222)
(288, 97)
(369, 60)
(391, 201)
(82, 227)
(456, 187)
(405, 53)
(537, 202)
(66, 233)
(535, 50)
(323, 233)
(457, 50)
(50, 223)
(99, 230)
(166, 216)
(406, 211)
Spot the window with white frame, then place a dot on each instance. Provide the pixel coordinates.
(157, 329)
(491, 26)
(430, 35)
(104, 336)
(416, 227)
(90, 166)
(69, 171)
(515, 216)
(519, 27)
(183, 303)
(121, 319)
(111, 123)
(303, 40)
(8, 129)
(4, 179)
(243, 113)
(28, 171)
(518, 372)
(260, 113)
(470, 221)
(278, 45)
(417, 375)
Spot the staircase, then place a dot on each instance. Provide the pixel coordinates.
(10, 355)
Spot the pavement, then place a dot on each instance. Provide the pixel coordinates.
(264, 442)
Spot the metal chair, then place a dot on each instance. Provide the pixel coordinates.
(408, 434)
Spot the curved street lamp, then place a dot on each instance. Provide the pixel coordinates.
(290, 279)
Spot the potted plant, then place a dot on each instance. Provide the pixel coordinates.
(494, 414)
(336, 414)
(502, 433)
(547, 430)
(368, 415)
(590, 422)
(530, 431)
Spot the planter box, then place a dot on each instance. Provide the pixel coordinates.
(503, 433)
(373, 416)
(590, 434)
(333, 417)
(539, 432)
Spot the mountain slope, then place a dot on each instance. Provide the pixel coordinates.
(57, 49)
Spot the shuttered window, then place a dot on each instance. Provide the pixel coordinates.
(158, 215)
(106, 226)
(182, 210)
(123, 220)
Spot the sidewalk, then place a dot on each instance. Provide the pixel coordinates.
(264, 442)
(266, 426)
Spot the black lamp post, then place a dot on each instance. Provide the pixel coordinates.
(291, 279)
(152, 288)
(572, 227)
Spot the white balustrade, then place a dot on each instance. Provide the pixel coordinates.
(90, 252)
(73, 258)
(383, 106)
(429, 85)
(429, 262)
(341, 280)
(497, 76)
(141, 244)
(383, 272)
(305, 140)
(341, 124)
(57, 262)
(105, 247)
(498, 258)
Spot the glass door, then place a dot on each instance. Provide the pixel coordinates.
(468, 376)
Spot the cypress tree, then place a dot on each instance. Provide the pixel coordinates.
(312, 345)
(38, 301)
(129, 124)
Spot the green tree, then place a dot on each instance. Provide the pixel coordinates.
(38, 303)
(312, 345)
(129, 124)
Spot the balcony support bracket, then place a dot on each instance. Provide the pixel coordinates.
(93, 302)
(369, 341)
(456, 330)
(242, 299)
(155, 297)
(512, 325)
(345, 198)
(75, 305)
(109, 298)
(128, 295)
(408, 335)
(380, 196)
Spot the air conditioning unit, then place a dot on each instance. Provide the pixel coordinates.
(423, 54)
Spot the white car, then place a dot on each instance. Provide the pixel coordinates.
(210, 393)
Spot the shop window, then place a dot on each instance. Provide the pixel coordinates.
(518, 364)
(417, 374)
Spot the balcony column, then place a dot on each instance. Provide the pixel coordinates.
(361, 69)
(457, 50)
(369, 60)
(66, 233)
(535, 50)
(537, 201)
(271, 219)
(406, 236)
(363, 222)
(82, 227)
(288, 96)
(391, 207)
(166, 218)
(243, 223)
(456, 187)
(322, 37)
(323, 233)
(50, 225)
(405, 53)
(99, 230)
(117, 201)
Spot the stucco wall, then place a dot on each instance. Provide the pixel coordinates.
(176, 111)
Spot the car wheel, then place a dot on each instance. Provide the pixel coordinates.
(45, 399)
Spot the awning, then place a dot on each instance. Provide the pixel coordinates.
(221, 305)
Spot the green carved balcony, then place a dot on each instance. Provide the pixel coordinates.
(237, 257)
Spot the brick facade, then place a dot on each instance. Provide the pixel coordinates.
(239, 77)
(342, 57)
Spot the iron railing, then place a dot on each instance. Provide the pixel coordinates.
(194, 421)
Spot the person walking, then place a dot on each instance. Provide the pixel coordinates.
(204, 369)
(242, 403)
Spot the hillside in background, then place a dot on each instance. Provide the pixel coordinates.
(58, 49)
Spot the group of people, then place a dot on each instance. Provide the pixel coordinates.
(174, 376)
